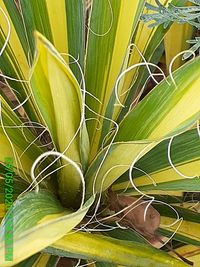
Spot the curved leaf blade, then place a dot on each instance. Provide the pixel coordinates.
(166, 111)
(101, 248)
(106, 51)
(58, 96)
(185, 155)
(38, 220)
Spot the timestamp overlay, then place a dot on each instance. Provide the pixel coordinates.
(8, 186)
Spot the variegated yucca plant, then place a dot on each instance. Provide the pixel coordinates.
(101, 165)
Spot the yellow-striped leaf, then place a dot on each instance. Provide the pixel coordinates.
(166, 111)
(106, 51)
(59, 99)
(96, 247)
(43, 222)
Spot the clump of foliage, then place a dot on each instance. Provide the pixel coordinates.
(104, 145)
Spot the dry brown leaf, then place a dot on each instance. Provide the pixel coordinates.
(133, 216)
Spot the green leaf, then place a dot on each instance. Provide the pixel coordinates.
(182, 33)
(166, 120)
(106, 50)
(185, 154)
(35, 17)
(24, 151)
(15, 59)
(126, 234)
(40, 260)
(166, 111)
(61, 23)
(191, 253)
(96, 247)
(18, 186)
(17, 41)
(103, 264)
(149, 42)
(59, 99)
(38, 220)
(76, 15)
(186, 231)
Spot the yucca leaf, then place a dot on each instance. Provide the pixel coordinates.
(43, 17)
(58, 23)
(106, 49)
(59, 99)
(144, 39)
(146, 45)
(126, 234)
(62, 23)
(24, 151)
(103, 264)
(186, 230)
(129, 90)
(184, 155)
(76, 16)
(126, 253)
(17, 41)
(166, 111)
(43, 222)
(186, 239)
(187, 233)
(19, 186)
(57, 94)
(39, 260)
(175, 187)
(170, 99)
(30, 261)
(35, 17)
(181, 33)
(149, 42)
(191, 253)
(15, 58)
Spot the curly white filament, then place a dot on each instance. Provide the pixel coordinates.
(60, 155)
